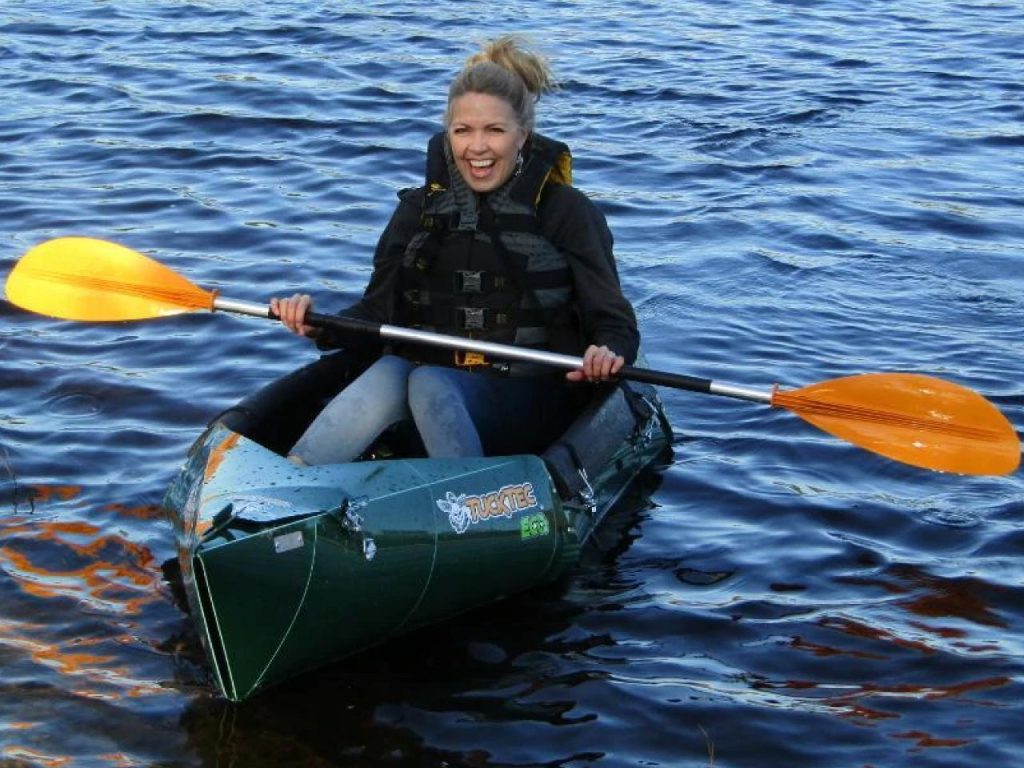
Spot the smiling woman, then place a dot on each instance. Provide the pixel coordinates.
(496, 246)
(491, 107)
(486, 140)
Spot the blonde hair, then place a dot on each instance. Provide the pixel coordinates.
(507, 69)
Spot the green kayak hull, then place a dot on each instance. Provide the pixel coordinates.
(287, 568)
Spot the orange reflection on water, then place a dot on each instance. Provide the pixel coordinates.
(35, 757)
(825, 650)
(944, 598)
(927, 740)
(95, 671)
(860, 630)
(866, 701)
(112, 577)
(16, 635)
(118, 575)
(952, 691)
(141, 512)
(44, 493)
(935, 596)
(118, 758)
(853, 704)
(93, 583)
(20, 726)
(873, 702)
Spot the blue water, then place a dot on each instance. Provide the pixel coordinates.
(799, 190)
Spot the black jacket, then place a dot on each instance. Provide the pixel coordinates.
(569, 220)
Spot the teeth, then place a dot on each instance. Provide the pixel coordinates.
(481, 163)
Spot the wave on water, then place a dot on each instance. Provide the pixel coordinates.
(798, 192)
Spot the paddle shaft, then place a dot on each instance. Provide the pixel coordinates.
(498, 351)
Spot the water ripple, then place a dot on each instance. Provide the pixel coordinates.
(798, 191)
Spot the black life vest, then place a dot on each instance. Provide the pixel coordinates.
(479, 266)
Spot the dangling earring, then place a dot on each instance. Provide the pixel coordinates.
(519, 163)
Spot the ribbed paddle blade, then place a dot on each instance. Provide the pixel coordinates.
(919, 420)
(80, 278)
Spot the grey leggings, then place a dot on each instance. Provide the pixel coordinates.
(457, 413)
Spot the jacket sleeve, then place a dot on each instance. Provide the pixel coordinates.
(378, 301)
(579, 230)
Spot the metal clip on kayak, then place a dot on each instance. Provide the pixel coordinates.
(352, 523)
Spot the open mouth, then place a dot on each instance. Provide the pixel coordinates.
(481, 167)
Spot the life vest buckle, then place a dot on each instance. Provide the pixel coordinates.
(469, 359)
(473, 318)
(469, 281)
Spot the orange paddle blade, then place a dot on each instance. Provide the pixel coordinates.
(79, 278)
(919, 420)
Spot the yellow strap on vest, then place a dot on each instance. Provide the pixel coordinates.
(560, 173)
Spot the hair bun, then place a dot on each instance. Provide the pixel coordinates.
(513, 53)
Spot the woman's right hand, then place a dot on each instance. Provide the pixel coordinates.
(292, 313)
(599, 364)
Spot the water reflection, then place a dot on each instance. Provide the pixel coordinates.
(22, 499)
(95, 585)
(103, 572)
(82, 600)
(866, 674)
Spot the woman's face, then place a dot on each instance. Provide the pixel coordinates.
(485, 138)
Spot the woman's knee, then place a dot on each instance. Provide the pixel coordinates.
(438, 401)
(432, 387)
(388, 371)
(381, 390)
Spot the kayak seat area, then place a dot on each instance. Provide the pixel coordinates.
(278, 413)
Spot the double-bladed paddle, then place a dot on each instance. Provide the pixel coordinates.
(919, 420)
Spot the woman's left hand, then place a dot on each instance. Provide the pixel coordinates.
(599, 364)
(291, 311)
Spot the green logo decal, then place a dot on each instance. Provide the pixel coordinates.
(533, 526)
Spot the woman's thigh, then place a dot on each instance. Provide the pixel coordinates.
(469, 414)
(349, 424)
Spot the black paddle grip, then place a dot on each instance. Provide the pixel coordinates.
(343, 324)
(664, 379)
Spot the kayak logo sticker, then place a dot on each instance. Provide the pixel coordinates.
(464, 509)
(532, 526)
